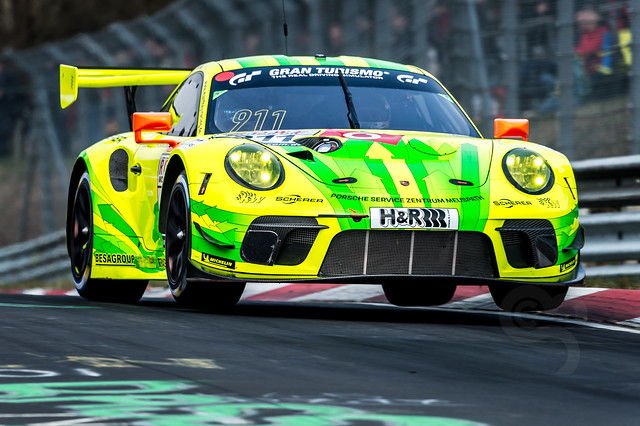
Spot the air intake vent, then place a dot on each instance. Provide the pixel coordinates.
(529, 243)
(118, 170)
(280, 240)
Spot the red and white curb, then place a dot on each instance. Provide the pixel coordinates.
(612, 306)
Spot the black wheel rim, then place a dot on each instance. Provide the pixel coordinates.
(81, 231)
(177, 243)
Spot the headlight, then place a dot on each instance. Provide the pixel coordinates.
(327, 145)
(254, 167)
(527, 171)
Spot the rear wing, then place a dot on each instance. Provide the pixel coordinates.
(72, 77)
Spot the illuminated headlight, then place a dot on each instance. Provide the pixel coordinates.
(254, 167)
(527, 171)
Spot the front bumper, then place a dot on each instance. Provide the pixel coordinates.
(280, 248)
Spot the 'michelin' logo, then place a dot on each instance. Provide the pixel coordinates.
(568, 264)
(218, 261)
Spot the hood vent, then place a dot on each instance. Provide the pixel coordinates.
(303, 155)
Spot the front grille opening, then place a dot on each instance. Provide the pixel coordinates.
(476, 256)
(410, 253)
(433, 253)
(388, 254)
(346, 254)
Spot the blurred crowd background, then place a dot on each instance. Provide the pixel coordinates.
(564, 64)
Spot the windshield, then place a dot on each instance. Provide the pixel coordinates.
(310, 98)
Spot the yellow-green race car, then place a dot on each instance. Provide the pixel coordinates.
(316, 169)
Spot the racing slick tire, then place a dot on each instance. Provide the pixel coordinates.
(80, 240)
(418, 295)
(196, 294)
(527, 297)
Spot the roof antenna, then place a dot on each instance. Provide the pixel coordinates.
(286, 29)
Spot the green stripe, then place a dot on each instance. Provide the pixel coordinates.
(379, 169)
(378, 63)
(331, 61)
(24, 305)
(225, 220)
(259, 61)
(420, 175)
(474, 214)
(326, 171)
(110, 215)
(286, 60)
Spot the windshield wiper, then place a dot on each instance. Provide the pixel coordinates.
(351, 115)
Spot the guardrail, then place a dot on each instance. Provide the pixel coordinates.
(41, 259)
(608, 182)
(609, 194)
(608, 189)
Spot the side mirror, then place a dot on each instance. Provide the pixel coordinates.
(511, 128)
(152, 122)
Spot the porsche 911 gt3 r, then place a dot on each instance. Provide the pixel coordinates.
(316, 169)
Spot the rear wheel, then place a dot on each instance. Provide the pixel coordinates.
(198, 294)
(527, 297)
(80, 240)
(418, 295)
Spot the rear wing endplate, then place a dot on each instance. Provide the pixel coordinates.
(72, 77)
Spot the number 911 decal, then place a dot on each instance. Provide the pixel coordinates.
(421, 218)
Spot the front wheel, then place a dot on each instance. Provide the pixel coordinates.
(418, 295)
(80, 240)
(197, 294)
(527, 297)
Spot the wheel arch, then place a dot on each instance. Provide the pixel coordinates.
(173, 170)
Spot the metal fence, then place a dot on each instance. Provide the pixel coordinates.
(524, 58)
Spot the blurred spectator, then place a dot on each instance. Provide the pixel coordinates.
(489, 18)
(364, 33)
(624, 38)
(159, 51)
(580, 89)
(618, 82)
(336, 40)
(439, 34)
(540, 35)
(489, 21)
(593, 35)
(401, 35)
(594, 46)
(537, 75)
(251, 43)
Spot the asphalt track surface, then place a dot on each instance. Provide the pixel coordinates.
(65, 360)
